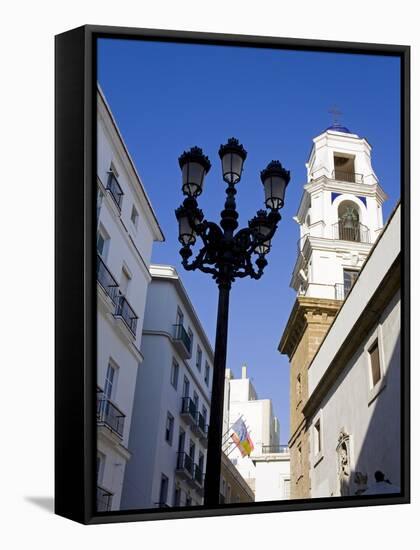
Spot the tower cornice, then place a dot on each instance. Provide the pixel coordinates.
(305, 311)
(324, 183)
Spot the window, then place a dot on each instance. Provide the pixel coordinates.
(375, 364)
(163, 493)
(186, 387)
(207, 374)
(196, 401)
(350, 276)
(181, 440)
(201, 461)
(134, 216)
(317, 437)
(344, 168)
(169, 430)
(124, 281)
(102, 243)
(192, 450)
(199, 358)
(204, 413)
(286, 488)
(110, 382)
(179, 317)
(99, 199)
(114, 187)
(190, 335)
(174, 374)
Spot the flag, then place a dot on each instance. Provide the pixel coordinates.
(241, 437)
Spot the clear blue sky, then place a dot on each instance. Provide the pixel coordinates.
(169, 97)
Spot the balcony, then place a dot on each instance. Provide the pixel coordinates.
(124, 311)
(185, 466)
(268, 449)
(114, 189)
(103, 499)
(198, 477)
(356, 232)
(200, 427)
(107, 414)
(351, 177)
(182, 341)
(106, 279)
(189, 411)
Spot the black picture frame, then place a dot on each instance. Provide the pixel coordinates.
(75, 302)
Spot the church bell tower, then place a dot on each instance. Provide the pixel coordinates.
(340, 214)
(340, 218)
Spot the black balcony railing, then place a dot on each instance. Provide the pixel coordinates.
(188, 407)
(108, 414)
(356, 232)
(185, 463)
(115, 189)
(127, 313)
(198, 475)
(351, 177)
(181, 334)
(106, 279)
(267, 449)
(103, 499)
(201, 423)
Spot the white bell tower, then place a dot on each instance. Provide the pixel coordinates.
(340, 214)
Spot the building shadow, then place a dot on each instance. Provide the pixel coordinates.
(45, 503)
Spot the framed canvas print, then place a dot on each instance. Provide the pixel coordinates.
(232, 274)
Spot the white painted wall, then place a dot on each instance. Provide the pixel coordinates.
(272, 474)
(155, 396)
(131, 247)
(370, 415)
(266, 472)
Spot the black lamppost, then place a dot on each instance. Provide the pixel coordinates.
(226, 255)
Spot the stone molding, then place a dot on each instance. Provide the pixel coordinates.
(306, 311)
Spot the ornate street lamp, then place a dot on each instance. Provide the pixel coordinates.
(194, 166)
(226, 255)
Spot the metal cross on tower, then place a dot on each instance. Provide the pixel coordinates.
(336, 113)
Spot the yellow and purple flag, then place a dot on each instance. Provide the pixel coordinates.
(241, 437)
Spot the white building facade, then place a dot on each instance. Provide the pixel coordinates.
(168, 437)
(126, 230)
(340, 214)
(354, 400)
(267, 469)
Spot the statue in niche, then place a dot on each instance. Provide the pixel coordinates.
(343, 452)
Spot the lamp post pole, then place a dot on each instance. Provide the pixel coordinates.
(225, 255)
